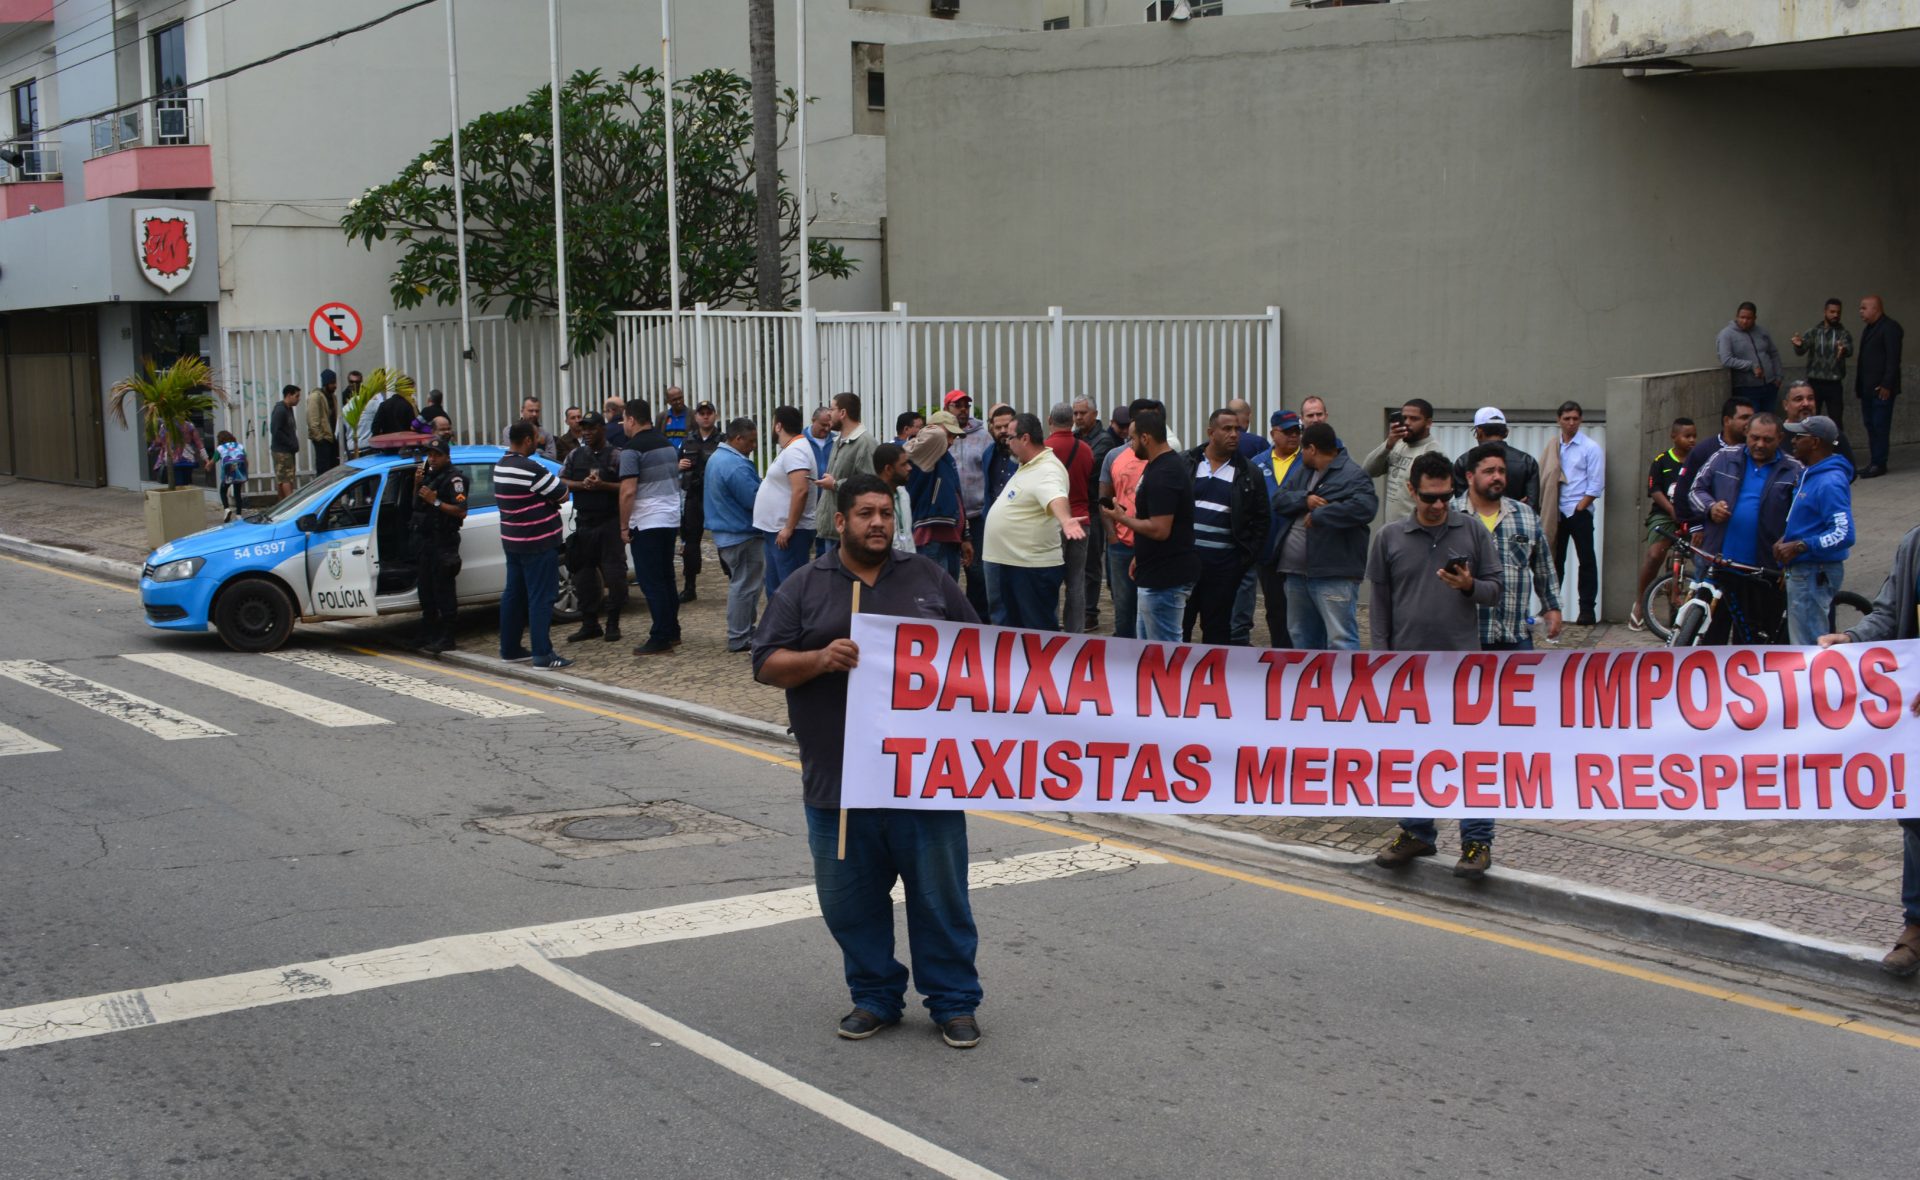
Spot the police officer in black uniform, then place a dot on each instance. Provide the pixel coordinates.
(595, 557)
(442, 507)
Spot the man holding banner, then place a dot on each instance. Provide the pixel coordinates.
(1431, 572)
(803, 645)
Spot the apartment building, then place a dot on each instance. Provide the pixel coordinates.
(143, 210)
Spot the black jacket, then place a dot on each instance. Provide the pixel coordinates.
(694, 479)
(1523, 476)
(1102, 443)
(1879, 363)
(394, 416)
(1337, 542)
(1249, 512)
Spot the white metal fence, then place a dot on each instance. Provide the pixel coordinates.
(748, 362)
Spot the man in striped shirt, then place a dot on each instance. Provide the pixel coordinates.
(529, 497)
(1230, 521)
(650, 511)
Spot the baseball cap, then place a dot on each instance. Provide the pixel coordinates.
(956, 395)
(1284, 420)
(706, 408)
(438, 444)
(1489, 416)
(1819, 426)
(945, 420)
(1122, 416)
(592, 421)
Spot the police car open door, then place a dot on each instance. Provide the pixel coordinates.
(341, 552)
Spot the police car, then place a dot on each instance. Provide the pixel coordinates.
(339, 548)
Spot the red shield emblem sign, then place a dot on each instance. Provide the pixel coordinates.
(165, 245)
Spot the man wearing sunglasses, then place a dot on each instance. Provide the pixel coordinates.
(1430, 573)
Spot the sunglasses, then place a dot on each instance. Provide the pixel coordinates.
(1434, 497)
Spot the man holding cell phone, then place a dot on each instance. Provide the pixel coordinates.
(1431, 572)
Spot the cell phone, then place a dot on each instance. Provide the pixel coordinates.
(1396, 417)
(1107, 502)
(1458, 565)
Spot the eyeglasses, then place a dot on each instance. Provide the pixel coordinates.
(1435, 497)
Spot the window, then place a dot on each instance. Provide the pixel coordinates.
(170, 78)
(26, 109)
(479, 485)
(869, 88)
(1058, 22)
(352, 508)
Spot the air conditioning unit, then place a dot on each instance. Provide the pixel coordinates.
(944, 7)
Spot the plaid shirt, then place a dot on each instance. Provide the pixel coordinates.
(1526, 566)
(1824, 341)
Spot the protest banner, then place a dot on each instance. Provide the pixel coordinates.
(948, 715)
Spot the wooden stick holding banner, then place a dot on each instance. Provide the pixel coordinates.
(843, 809)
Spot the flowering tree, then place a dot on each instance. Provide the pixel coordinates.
(616, 204)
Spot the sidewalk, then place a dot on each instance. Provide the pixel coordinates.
(1835, 881)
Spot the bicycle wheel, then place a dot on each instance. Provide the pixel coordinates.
(1690, 624)
(1661, 604)
(1847, 610)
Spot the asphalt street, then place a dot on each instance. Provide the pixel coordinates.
(249, 933)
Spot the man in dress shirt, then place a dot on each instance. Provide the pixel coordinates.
(1583, 475)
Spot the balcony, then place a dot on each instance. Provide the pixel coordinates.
(157, 148)
(32, 185)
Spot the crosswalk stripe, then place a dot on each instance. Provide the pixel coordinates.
(305, 706)
(408, 686)
(169, 725)
(12, 741)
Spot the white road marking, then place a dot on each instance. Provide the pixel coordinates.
(12, 741)
(303, 705)
(408, 686)
(461, 954)
(924, 1152)
(168, 725)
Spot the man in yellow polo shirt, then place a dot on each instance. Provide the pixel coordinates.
(1025, 563)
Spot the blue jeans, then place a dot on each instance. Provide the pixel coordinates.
(1910, 871)
(532, 579)
(653, 567)
(1811, 586)
(945, 554)
(1323, 614)
(1243, 599)
(1025, 596)
(1878, 416)
(782, 562)
(928, 851)
(1120, 585)
(1470, 829)
(1162, 612)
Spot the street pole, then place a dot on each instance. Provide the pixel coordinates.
(559, 206)
(673, 184)
(809, 346)
(460, 217)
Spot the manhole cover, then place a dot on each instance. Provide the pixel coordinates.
(618, 827)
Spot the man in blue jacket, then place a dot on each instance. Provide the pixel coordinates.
(1322, 525)
(1819, 534)
(1743, 494)
(728, 491)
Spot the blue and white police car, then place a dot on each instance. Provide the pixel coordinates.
(338, 548)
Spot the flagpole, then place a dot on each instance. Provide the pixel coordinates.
(559, 206)
(460, 217)
(808, 344)
(673, 181)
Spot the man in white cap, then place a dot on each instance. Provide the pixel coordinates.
(1523, 470)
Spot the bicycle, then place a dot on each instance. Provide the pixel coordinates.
(1705, 595)
(1667, 594)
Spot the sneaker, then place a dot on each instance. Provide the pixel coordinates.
(516, 657)
(1476, 857)
(588, 630)
(962, 1032)
(655, 647)
(1904, 959)
(1635, 620)
(1405, 849)
(554, 662)
(860, 1024)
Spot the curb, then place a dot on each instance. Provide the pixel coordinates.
(1509, 891)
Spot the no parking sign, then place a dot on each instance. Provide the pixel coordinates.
(335, 328)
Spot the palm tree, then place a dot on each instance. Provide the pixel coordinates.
(168, 399)
(766, 154)
(378, 382)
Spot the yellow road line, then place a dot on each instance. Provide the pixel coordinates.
(1630, 971)
(54, 569)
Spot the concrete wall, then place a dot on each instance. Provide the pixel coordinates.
(1439, 203)
(1639, 412)
(1621, 31)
